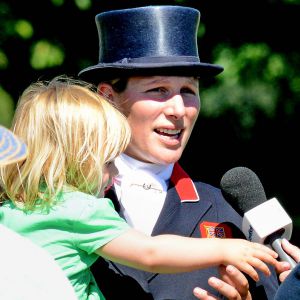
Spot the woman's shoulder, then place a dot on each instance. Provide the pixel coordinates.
(207, 187)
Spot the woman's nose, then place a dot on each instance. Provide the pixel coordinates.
(175, 107)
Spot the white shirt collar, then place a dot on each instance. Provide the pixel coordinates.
(126, 164)
(141, 187)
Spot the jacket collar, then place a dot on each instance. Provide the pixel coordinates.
(184, 185)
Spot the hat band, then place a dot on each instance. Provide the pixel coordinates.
(159, 59)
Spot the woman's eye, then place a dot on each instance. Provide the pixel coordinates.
(188, 91)
(157, 90)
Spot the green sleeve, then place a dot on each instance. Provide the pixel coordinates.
(97, 225)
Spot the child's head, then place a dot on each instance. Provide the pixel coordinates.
(70, 132)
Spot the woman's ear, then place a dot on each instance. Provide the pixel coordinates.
(105, 90)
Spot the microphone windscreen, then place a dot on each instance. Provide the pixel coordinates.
(242, 189)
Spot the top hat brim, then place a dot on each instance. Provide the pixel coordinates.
(105, 71)
(12, 149)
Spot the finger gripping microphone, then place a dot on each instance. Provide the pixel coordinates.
(264, 221)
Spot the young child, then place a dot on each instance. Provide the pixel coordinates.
(73, 136)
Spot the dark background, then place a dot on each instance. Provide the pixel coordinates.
(236, 133)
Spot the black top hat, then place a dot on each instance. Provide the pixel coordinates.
(151, 40)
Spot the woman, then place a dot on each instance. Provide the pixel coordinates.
(149, 67)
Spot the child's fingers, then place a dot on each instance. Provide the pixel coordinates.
(265, 249)
(266, 256)
(248, 269)
(255, 256)
(260, 265)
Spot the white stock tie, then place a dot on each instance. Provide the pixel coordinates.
(142, 197)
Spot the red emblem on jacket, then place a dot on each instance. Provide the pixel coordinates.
(215, 230)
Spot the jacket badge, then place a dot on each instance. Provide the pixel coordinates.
(215, 230)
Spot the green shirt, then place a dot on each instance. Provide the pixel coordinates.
(71, 232)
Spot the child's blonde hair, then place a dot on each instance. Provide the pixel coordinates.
(70, 132)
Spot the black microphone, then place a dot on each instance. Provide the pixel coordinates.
(264, 221)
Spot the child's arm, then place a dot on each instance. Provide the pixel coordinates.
(172, 254)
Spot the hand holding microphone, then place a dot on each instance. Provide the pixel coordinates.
(264, 221)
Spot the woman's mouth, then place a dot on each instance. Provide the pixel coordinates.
(173, 133)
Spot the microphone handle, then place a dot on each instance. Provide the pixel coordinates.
(283, 256)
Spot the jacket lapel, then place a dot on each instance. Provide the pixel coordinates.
(183, 207)
(181, 213)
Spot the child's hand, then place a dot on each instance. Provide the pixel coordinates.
(246, 256)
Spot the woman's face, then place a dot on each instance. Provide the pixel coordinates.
(161, 111)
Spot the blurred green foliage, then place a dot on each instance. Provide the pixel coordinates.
(252, 82)
(45, 55)
(24, 29)
(6, 108)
